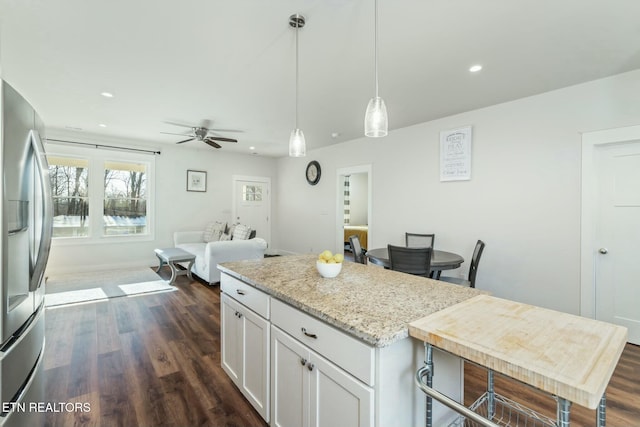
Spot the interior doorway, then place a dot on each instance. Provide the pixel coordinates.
(357, 218)
(611, 227)
(252, 204)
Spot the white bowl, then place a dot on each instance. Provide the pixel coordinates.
(328, 270)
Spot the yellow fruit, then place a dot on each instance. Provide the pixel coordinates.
(331, 261)
(326, 255)
(338, 258)
(322, 260)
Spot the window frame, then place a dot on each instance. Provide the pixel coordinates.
(98, 159)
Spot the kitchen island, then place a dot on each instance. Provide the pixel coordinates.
(306, 350)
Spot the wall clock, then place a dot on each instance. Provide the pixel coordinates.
(313, 172)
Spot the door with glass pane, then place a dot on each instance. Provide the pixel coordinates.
(253, 204)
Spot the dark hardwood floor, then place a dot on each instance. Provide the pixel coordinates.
(154, 360)
(151, 360)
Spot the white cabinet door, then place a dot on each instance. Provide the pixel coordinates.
(245, 352)
(289, 381)
(337, 398)
(231, 331)
(308, 390)
(255, 360)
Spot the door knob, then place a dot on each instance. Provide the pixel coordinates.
(603, 251)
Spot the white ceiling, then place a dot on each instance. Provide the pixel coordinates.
(233, 62)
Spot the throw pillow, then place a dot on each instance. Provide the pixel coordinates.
(224, 237)
(241, 232)
(213, 231)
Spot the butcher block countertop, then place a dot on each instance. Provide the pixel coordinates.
(565, 355)
(368, 302)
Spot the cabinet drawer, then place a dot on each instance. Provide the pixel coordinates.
(350, 354)
(246, 294)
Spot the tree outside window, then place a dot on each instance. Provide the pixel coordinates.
(70, 190)
(125, 198)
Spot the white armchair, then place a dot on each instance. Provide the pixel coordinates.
(209, 255)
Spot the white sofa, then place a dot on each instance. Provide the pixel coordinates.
(209, 255)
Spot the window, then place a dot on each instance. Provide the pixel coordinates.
(100, 194)
(70, 191)
(252, 193)
(125, 199)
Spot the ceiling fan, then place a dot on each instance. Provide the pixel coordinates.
(203, 133)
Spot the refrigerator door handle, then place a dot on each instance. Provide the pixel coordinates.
(47, 211)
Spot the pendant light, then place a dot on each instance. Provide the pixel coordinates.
(375, 119)
(297, 144)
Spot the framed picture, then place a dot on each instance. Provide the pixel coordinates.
(455, 154)
(196, 181)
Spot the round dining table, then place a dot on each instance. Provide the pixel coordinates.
(440, 260)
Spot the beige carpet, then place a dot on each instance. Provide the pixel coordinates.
(97, 286)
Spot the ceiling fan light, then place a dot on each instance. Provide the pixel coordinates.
(297, 144)
(376, 122)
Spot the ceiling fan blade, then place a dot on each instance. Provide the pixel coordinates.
(212, 143)
(171, 133)
(178, 124)
(186, 140)
(226, 130)
(219, 138)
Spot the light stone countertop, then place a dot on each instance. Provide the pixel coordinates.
(365, 301)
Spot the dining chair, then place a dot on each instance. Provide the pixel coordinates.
(473, 269)
(356, 250)
(414, 240)
(415, 261)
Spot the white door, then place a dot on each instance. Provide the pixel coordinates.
(337, 398)
(255, 361)
(617, 236)
(253, 204)
(289, 381)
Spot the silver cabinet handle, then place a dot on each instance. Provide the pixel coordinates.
(240, 292)
(304, 331)
(310, 366)
(303, 361)
(603, 251)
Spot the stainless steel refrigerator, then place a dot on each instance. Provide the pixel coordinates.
(25, 230)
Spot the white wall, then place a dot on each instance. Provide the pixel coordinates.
(523, 198)
(175, 208)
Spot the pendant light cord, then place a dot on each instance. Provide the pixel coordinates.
(375, 44)
(297, 73)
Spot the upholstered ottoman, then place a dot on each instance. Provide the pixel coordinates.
(172, 255)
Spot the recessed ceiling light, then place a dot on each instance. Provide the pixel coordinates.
(475, 68)
(107, 94)
(335, 135)
(102, 125)
(252, 148)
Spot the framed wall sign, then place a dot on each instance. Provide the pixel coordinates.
(196, 180)
(455, 154)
